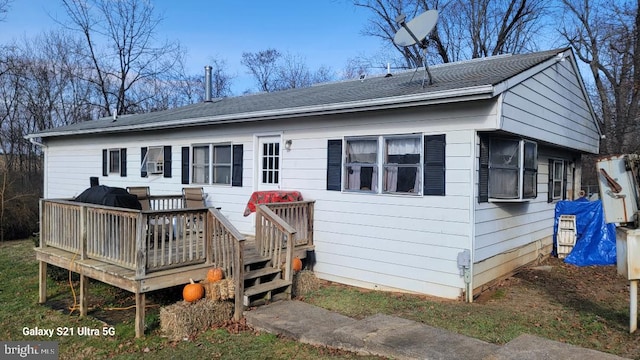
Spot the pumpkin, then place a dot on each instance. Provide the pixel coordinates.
(192, 292)
(215, 274)
(297, 264)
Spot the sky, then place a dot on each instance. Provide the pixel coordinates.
(321, 32)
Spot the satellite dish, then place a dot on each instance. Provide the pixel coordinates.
(415, 32)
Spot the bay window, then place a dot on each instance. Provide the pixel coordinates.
(508, 169)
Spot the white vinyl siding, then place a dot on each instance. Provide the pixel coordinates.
(550, 106)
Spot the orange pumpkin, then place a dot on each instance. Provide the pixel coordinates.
(215, 274)
(297, 264)
(192, 292)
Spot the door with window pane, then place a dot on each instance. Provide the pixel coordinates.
(268, 163)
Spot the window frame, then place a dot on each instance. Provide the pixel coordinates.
(157, 158)
(381, 166)
(555, 180)
(114, 166)
(215, 164)
(208, 168)
(204, 167)
(348, 166)
(522, 170)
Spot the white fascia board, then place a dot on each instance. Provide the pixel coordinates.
(432, 98)
(521, 77)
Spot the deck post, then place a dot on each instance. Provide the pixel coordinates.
(238, 279)
(141, 248)
(42, 282)
(83, 233)
(288, 271)
(310, 210)
(84, 281)
(42, 266)
(140, 300)
(208, 237)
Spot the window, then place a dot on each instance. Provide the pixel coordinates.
(153, 161)
(213, 164)
(508, 169)
(270, 162)
(557, 180)
(222, 164)
(402, 167)
(114, 161)
(361, 165)
(397, 164)
(200, 165)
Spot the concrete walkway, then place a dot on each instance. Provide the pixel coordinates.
(398, 338)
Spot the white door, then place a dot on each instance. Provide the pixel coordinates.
(268, 163)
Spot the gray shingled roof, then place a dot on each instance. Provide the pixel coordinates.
(446, 77)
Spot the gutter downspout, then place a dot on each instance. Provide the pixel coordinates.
(472, 219)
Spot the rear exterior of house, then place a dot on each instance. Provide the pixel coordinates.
(406, 184)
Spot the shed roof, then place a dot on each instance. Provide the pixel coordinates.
(451, 82)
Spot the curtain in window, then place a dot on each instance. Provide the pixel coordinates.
(362, 177)
(391, 179)
(362, 151)
(403, 146)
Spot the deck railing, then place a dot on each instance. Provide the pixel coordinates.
(226, 251)
(273, 234)
(144, 241)
(298, 214)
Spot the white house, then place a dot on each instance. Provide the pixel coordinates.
(436, 189)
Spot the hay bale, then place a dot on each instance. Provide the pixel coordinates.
(304, 282)
(219, 290)
(183, 319)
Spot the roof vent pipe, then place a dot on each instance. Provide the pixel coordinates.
(207, 83)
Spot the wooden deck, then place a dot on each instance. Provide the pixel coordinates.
(143, 251)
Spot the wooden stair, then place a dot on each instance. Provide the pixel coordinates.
(263, 283)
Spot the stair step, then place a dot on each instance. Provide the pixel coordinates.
(261, 272)
(255, 259)
(266, 287)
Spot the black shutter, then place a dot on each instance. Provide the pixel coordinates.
(167, 161)
(334, 164)
(105, 162)
(123, 162)
(143, 169)
(185, 165)
(236, 168)
(550, 186)
(483, 171)
(434, 164)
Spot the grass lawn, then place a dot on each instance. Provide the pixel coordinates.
(584, 306)
(20, 309)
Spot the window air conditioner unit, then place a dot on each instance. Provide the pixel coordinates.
(154, 167)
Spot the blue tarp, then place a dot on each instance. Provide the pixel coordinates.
(595, 241)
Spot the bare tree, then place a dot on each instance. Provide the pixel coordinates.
(465, 29)
(129, 56)
(4, 8)
(605, 36)
(221, 80)
(263, 66)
